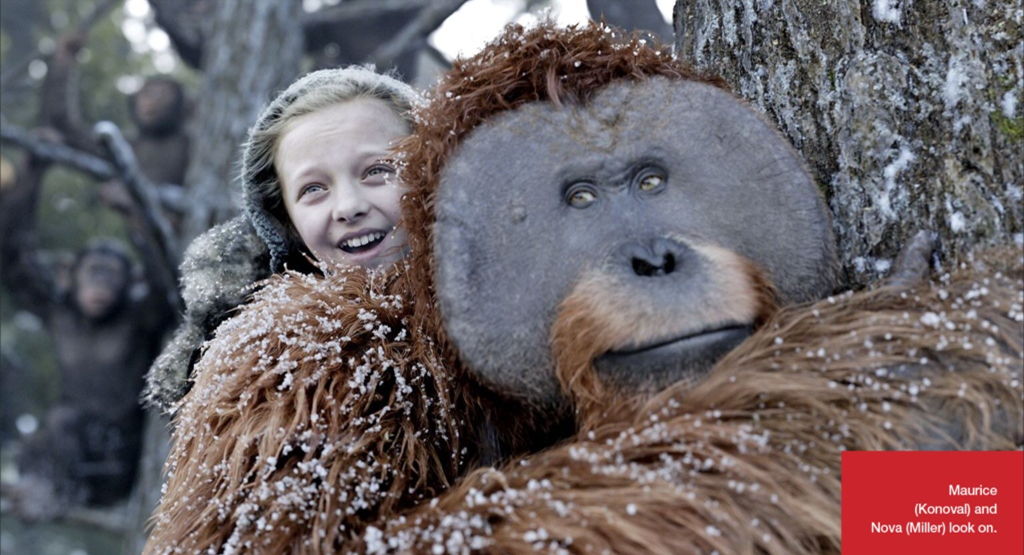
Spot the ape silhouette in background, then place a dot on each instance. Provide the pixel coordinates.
(159, 110)
(105, 332)
(614, 334)
(161, 147)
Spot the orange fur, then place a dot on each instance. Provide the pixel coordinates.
(748, 460)
(601, 314)
(314, 411)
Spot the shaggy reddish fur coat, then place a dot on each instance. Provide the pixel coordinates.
(316, 425)
(317, 408)
(748, 461)
(332, 415)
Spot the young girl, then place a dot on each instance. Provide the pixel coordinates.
(313, 409)
(319, 183)
(318, 170)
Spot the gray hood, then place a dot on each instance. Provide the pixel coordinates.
(217, 274)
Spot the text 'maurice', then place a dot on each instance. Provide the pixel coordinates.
(957, 489)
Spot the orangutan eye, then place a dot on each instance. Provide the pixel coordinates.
(580, 195)
(651, 182)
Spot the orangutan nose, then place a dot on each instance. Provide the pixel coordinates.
(656, 258)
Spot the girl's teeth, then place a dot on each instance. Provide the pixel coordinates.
(364, 240)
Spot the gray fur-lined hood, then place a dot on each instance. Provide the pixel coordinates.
(221, 266)
(217, 275)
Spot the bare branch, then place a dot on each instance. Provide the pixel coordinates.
(183, 21)
(416, 32)
(56, 152)
(347, 12)
(438, 56)
(147, 201)
(637, 15)
(17, 68)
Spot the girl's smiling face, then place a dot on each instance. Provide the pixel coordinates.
(339, 182)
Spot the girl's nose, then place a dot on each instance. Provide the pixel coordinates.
(349, 205)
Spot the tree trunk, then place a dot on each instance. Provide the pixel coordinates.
(156, 445)
(252, 50)
(909, 113)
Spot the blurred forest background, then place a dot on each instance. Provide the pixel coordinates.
(68, 64)
(70, 212)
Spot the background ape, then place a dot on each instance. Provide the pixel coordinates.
(105, 334)
(631, 261)
(160, 110)
(161, 147)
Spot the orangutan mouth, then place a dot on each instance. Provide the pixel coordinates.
(690, 353)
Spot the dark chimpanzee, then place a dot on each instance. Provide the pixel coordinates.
(104, 334)
(161, 145)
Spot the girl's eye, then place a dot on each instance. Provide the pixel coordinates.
(380, 170)
(651, 182)
(311, 188)
(581, 195)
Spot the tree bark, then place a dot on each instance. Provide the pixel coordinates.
(909, 113)
(146, 495)
(252, 51)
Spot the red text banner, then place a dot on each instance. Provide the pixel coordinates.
(933, 502)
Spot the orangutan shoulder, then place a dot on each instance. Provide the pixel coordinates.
(283, 314)
(296, 327)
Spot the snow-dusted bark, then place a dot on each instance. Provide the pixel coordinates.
(253, 50)
(908, 112)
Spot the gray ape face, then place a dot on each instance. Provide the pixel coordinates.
(654, 217)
